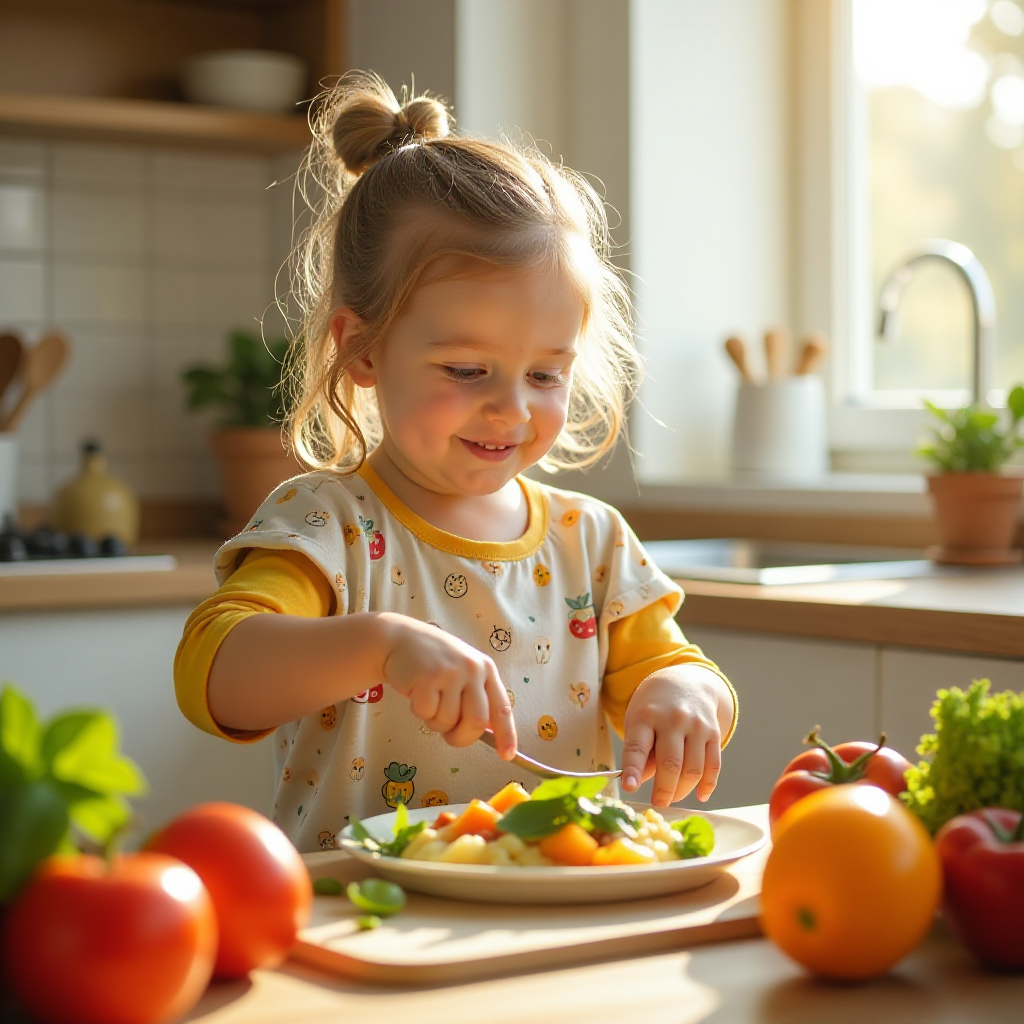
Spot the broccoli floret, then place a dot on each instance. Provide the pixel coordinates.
(975, 757)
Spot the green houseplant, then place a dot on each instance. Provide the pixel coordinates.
(975, 499)
(247, 390)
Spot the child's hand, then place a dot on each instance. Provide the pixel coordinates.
(673, 731)
(451, 686)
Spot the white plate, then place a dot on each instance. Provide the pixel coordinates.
(734, 839)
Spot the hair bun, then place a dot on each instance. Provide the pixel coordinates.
(370, 122)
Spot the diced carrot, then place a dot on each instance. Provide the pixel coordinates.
(477, 817)
(571, 845)
(444, 818)
(623, 851)
(507, 798)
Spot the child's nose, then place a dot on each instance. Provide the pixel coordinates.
(508, 404)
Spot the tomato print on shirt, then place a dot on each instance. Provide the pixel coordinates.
(582, 620)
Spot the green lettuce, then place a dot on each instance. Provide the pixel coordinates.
(974, 759)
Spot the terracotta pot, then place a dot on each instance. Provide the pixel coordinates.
(976, 516)
(253, 461)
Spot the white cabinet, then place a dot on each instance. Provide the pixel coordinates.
(909, 680)
(122, 660)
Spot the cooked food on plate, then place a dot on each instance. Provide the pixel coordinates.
(563, 822)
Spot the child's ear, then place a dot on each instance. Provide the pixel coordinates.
(346, 328)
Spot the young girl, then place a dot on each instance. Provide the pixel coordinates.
(462, 324)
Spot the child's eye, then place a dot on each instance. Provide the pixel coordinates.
(464, 374)
(548, 380)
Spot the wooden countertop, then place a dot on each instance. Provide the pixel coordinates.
(978, 611)
(726, 983)
(188, 584)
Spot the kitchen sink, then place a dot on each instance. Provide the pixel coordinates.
(775, 563)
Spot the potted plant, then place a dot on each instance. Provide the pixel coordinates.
(975, 501)
(248, 444)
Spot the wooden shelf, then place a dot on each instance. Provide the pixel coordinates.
(148, 121)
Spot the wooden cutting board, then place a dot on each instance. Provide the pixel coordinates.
(440, 941)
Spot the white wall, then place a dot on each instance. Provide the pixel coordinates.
(710, 211)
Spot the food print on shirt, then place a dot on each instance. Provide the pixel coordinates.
(539, 608)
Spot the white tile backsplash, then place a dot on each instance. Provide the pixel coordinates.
(22, 216)
(145, 258)
(22, 290)
(98, 223)
(102, 164)
(23, 158)
(94, 293)
(116, 417)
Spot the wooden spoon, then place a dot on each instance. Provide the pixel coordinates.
(11, 354)
(738, 354)
(812, 354)
(776, 348)
(42, 363)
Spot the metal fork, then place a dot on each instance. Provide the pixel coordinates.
(542, 769)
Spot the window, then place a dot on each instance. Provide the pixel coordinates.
(935, 149)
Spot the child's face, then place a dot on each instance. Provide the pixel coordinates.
(475, 361)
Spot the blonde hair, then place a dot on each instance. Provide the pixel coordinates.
(390, 190)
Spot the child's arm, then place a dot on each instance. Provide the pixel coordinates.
(272, 669)
(674, 726)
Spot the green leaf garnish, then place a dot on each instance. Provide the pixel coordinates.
(534, 819)
(551, 788)
(696, 837)
(327, 887)
(367, 922)
(376, 896)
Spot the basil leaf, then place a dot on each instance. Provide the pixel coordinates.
(19, 732)
(534, 819)
(90, 757)
(551, 788)
(402, 839)
(616, 818)
(696, 837)
(401, 819)
(359, 832)
(33, 822)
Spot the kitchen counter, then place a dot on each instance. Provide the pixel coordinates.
(977, 612)
(725, 983)
(980, 611)
(189, 583)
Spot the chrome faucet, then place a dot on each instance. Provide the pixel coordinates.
(983, 304)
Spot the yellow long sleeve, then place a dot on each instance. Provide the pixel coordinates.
(287, 583)
(267, 581)
(641, 644)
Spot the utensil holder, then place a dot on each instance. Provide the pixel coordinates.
(8, 478)
(780, 428)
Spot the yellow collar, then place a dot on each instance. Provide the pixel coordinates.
(494, 551)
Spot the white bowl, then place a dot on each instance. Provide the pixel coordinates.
(260, 80)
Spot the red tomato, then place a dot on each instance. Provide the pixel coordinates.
(827, 766)
(129, 943)
(982, 856)
(256, 878)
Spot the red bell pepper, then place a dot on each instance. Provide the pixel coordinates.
(982, 856)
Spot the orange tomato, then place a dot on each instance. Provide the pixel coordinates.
(258, 883)
(852, 883)
(130, 942)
